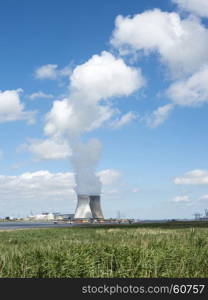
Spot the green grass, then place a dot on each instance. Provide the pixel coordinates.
(134, 251)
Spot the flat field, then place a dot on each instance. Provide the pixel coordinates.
(148, 250)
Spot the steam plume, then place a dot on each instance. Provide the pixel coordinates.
(84, 160)
(87, 108)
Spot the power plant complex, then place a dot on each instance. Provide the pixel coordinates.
(88, 206)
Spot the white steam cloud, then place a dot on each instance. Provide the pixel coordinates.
(84, 160)
(88, 107)
(91, 85)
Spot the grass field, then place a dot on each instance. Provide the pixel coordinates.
(154, 250)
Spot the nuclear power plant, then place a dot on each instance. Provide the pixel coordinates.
(88, 206)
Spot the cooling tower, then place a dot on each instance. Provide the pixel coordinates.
(95, 207)
(88, 206)
(83, 210)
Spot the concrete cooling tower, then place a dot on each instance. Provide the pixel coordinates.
(96, 207)
(88, 206)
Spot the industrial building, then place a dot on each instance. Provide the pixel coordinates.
(46, 216)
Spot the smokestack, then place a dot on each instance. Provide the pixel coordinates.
(88, 206)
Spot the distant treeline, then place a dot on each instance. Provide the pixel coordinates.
(165, 225)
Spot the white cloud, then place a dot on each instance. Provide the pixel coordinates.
(73, 117)
(51, 72)
(109, 176)
(46, 72)
(48, 149)
(42, 181)
(182, 44)
(66, 71)
(125, 119)
(198, 7)
(195, 177)
(184, 198)
(101, 77)
(104, 76)
(159, 115)
(40, 94)
(12, 109)
(192, 91)
(39, 191)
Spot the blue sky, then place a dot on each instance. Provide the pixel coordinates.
(154, 135)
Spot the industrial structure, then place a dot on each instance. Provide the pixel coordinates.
(52, 216)
(205, 217)
(88, 206)
(199, 217)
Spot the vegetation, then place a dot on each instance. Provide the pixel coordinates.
(148, 250)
